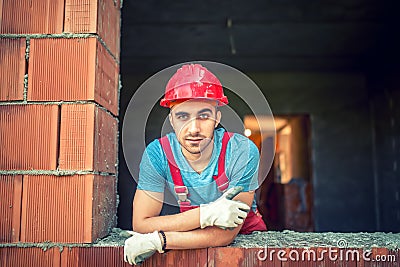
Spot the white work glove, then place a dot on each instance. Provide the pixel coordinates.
(141, 246)
(224, 212)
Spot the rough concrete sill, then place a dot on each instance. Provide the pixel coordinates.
(257, 249)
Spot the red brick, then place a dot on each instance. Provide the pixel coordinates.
(10, 207)
(77, 137)
(321, 256)
(182, 258)
(12, 69)
(106, 80)
(93, 256)
(109, 25)
(105, 142)
(28, 137)
(297, 257)
(114, 256)
(380, 257)
(88, 138)
(67, 209)
(30, 256)
(81, 16)
(396, 255)
(334, 256)
(231, 256)
(21, 16)
(179, 258)
(309, 257)
(95, 16)
(72, 69)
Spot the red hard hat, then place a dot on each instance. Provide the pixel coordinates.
(193, 82)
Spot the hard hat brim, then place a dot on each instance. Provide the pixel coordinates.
(168, 103)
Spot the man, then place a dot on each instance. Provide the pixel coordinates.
(203, 166)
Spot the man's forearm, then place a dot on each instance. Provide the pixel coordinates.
(180, 222)
(146, 219)
(200, 238)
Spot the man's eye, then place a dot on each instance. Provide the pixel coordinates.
(204, 116)
(182, 117)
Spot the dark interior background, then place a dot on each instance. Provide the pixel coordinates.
(334, 61)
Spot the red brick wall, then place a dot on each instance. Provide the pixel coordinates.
(213, 257)
(59, 82)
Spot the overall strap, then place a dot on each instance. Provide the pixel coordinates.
(221, 180)
(180, 189)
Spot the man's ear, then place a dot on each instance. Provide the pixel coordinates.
(170, 120)
(218, 118)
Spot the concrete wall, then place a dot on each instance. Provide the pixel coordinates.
(385, 106)
(341, 142)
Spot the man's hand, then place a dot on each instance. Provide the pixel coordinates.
(141, 246)
(224, 212)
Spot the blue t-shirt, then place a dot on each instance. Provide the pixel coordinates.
(241, 168)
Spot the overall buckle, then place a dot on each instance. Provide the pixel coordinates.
(182, 192)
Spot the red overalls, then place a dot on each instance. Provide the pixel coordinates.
(253, 221)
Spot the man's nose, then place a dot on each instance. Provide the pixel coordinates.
(194, 127)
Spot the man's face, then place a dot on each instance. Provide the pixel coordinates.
(194, 122)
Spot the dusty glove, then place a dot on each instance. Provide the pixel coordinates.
(224, 212)
(139, 247)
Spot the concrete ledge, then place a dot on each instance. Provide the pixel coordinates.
(257, 249)
(290, 239)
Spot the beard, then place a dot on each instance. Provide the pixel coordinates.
(195, 144)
